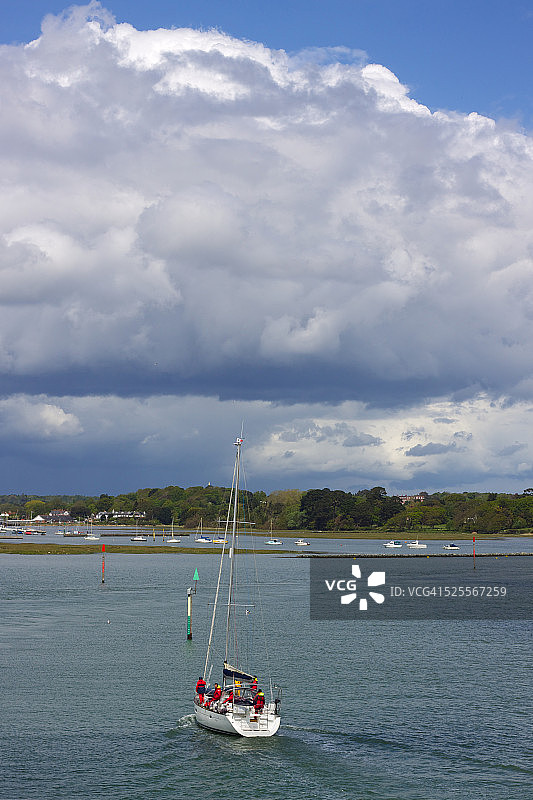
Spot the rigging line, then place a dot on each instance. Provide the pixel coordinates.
(243, 567)
(258, 591)
(233, 534)
(218, 583)
(262, 617)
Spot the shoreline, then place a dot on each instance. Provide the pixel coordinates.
(43, 548)
(403, 536)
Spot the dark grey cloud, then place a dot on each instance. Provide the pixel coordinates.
(361, 440)
(511, 449)
(430, 449)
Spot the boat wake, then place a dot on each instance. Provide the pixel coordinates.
(335, 735)
(186, 721)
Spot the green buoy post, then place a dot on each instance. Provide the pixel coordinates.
(189, 613)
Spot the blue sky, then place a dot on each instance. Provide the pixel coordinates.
(464, 56)
(315, 220)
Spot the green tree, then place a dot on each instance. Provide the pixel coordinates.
(35, 507)
(163, 514)
(80, 510)
(105, 502)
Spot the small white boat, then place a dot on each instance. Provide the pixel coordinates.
(90, 536)
(416, 545)
(200, 535)
(173, 539)
(393, 543)
(451, 546)
(301, 542)
(138, 538)
(273, 541)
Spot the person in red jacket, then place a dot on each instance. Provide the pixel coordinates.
(229, 698)
(253, 685)
(217, 694)
(259, 701)
(200, 689)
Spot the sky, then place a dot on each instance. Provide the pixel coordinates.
(311, 223)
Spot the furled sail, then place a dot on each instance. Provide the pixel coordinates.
(235, 674)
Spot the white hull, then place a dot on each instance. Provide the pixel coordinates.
(242, 721)
(417, 545)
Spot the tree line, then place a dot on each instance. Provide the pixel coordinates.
(315, 509)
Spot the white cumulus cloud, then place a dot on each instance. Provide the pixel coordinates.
(186, 213)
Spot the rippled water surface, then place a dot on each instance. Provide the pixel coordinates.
(96, 687)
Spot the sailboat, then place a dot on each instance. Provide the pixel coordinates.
(173, 539)
(90, 536)
(273, 539)
(138, 536)
(233, 707)
(200, 535)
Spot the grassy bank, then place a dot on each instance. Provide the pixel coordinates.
(38, 548)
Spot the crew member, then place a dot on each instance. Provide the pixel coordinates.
(253, 685)
(259, 701)
(229, 698)
(217, 694)
(201, 686)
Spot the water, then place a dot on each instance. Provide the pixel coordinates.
(96, 685)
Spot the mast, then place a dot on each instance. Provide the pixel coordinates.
(238, 444)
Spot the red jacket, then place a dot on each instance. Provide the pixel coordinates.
(200, 686)
(217, 693)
